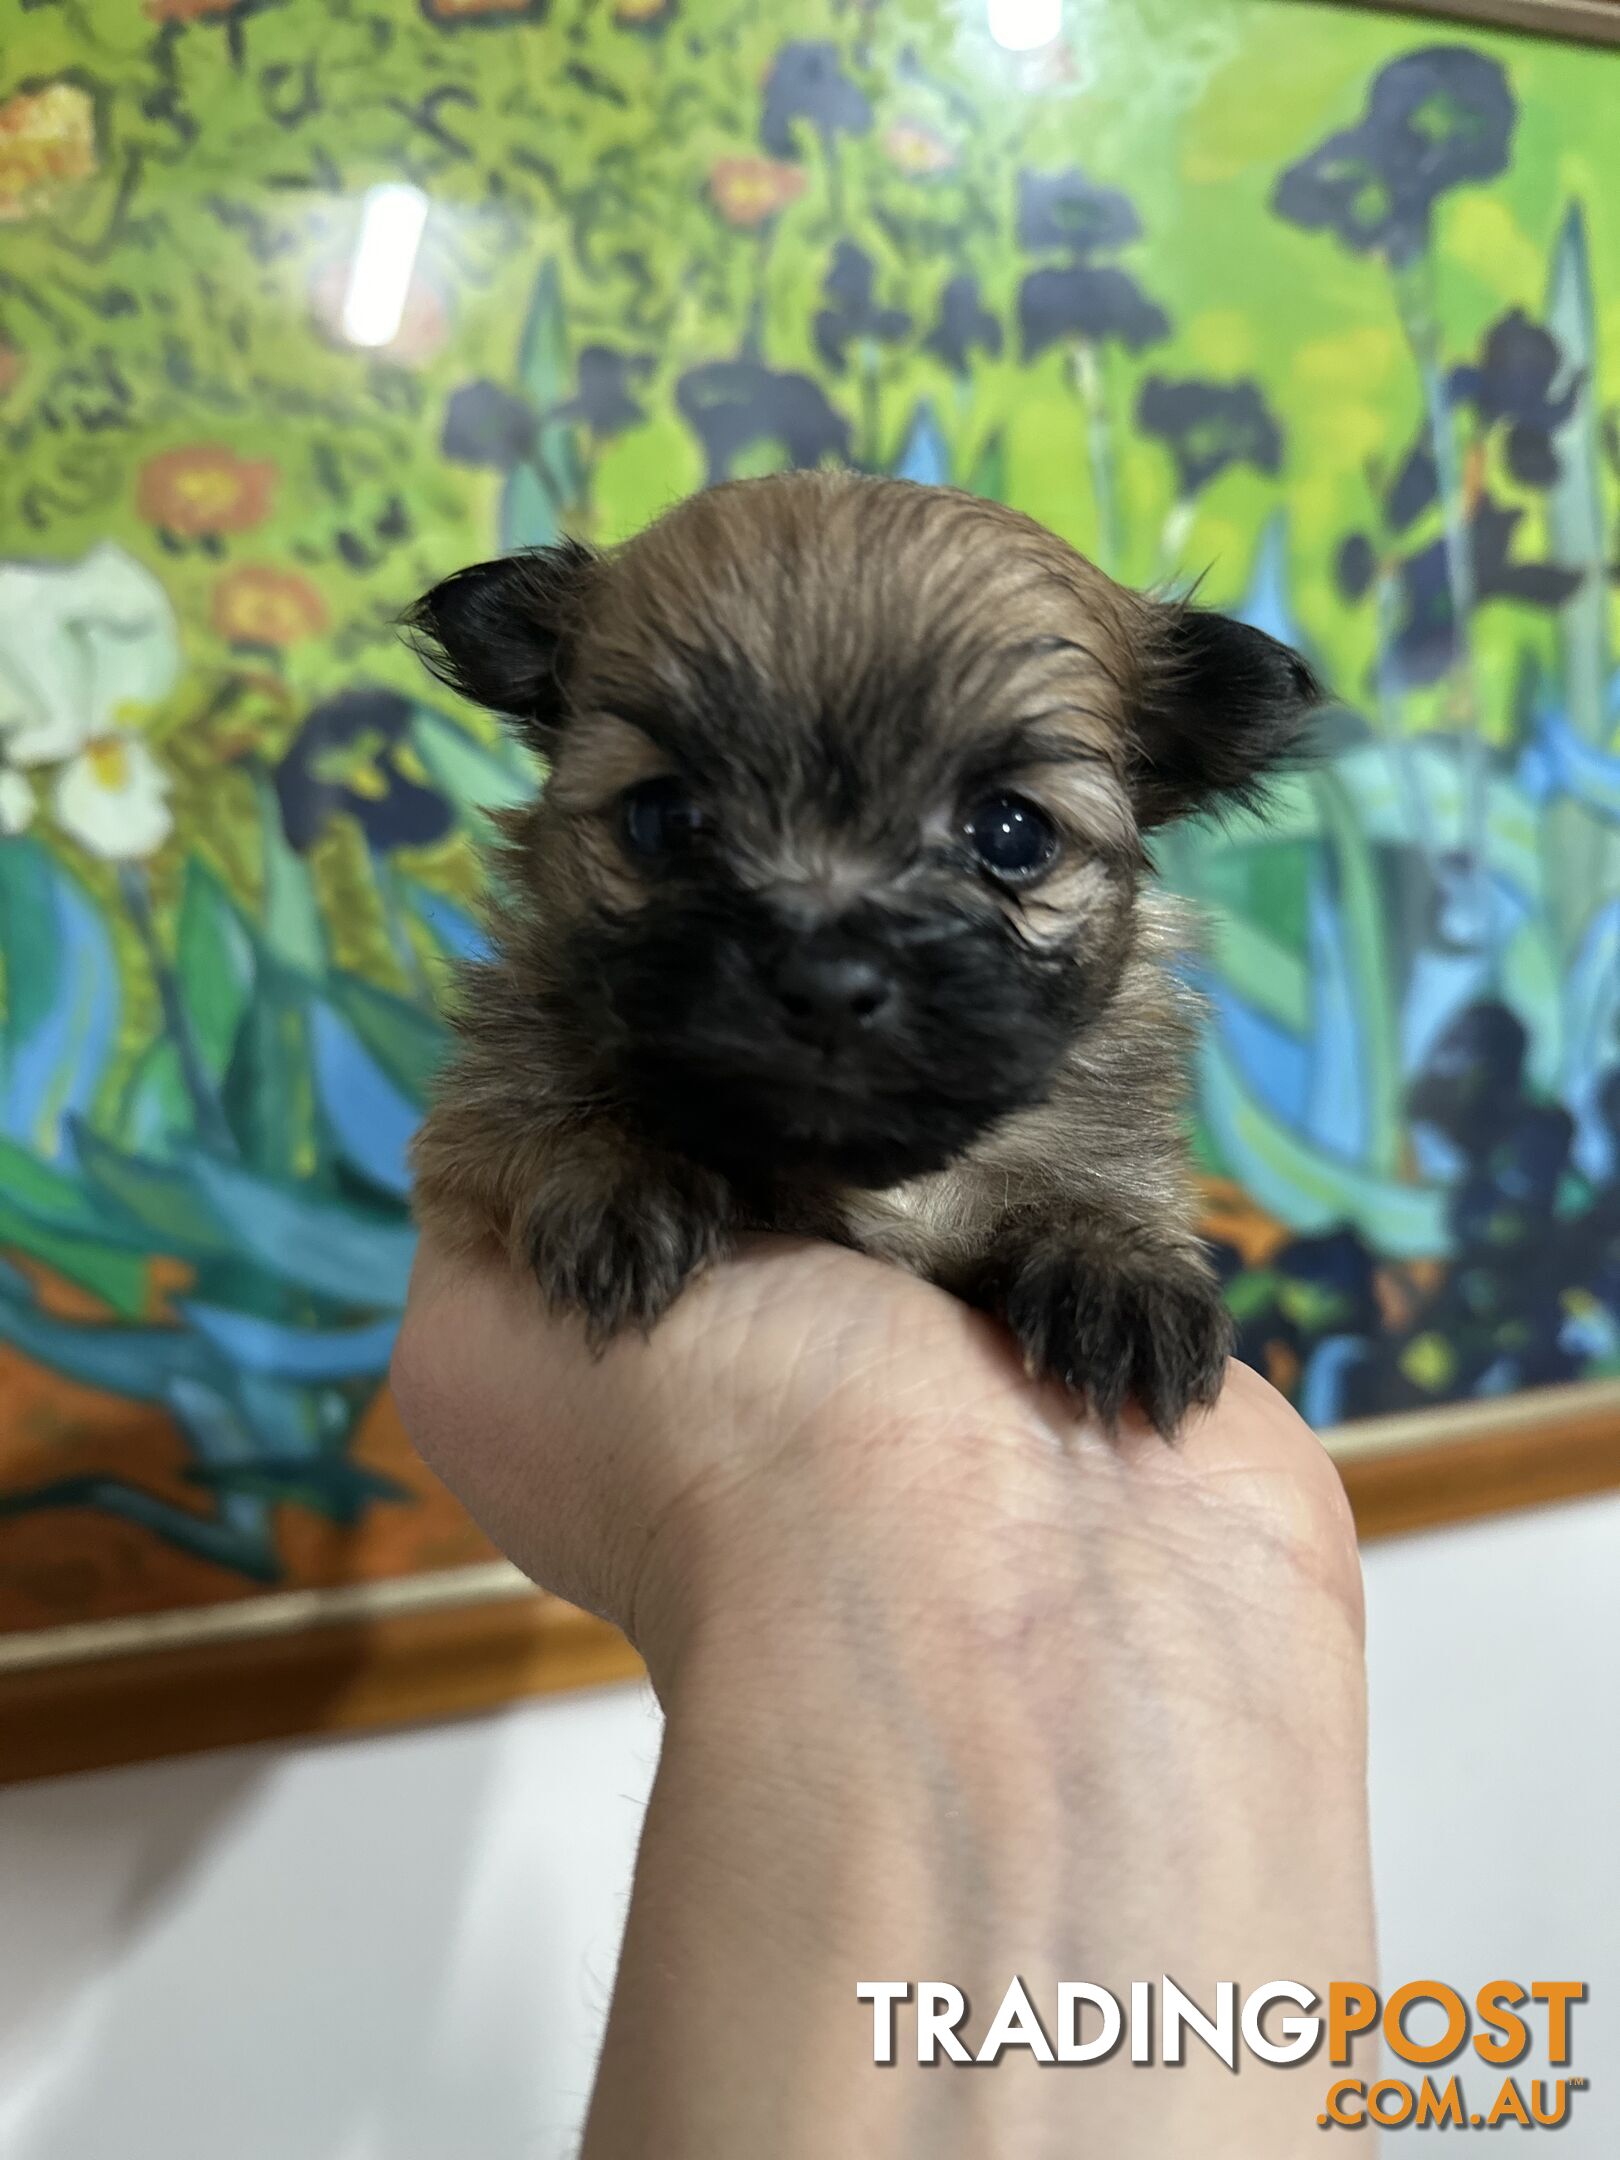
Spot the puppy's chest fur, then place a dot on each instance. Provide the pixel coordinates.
(1107, 1137)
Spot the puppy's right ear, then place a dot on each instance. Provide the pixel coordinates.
(499, 632)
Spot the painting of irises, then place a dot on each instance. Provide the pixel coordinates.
(1315, 309)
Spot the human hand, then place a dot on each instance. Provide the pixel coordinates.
(957, 1687)
(806, 1394)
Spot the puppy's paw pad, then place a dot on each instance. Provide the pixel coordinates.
(621, 1258)
(1157, 1332)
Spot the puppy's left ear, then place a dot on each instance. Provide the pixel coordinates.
(1222, 708)
(500, 633)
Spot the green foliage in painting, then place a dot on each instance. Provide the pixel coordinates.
(1320, 308)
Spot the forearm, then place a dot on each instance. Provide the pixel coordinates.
(1127, 1745)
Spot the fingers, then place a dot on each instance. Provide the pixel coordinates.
(568, 1456)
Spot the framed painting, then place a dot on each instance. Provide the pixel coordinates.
(1319, 303)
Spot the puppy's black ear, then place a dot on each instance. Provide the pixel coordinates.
(1223, 707)
(499, 633)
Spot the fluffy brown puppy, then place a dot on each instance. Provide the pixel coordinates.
(833, 916)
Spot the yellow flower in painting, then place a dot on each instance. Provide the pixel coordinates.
(204, 488)
(748, 190)
(258, 605)
(47, 138)
(917, 150)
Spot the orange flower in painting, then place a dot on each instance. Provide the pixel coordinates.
(47, 137)
(258, 605)
(458, 11)
(748, 190)
(204, 488)
(189, 10)
(12, 365)
(424, 324)
(423, 327)
(642, 14)
(917, 150)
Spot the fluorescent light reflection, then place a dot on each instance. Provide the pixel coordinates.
(391, 222)
(1024, 25)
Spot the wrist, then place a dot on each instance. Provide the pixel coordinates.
(966, 1713)
(1009, 1541)
(1131, 1767)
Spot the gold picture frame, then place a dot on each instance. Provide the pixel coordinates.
(369, 1656)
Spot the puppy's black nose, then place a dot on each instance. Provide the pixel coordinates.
(831, 993)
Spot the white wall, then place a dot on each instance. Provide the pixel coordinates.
(386, 1949)
(1494, 1669)
(401, 1948)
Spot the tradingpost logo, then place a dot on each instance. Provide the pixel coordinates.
(1505, 2024)
(1503, 2055)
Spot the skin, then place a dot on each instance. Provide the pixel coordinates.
(956, 1688)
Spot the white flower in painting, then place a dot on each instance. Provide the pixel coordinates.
(79, 643)
(113, 799)
(16, 803)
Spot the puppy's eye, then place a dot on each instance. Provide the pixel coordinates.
(659, 818)
(1012, 839)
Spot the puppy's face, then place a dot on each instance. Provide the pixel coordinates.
(840, 849)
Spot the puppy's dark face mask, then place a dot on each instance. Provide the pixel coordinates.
(866, 1033)
(840, 850)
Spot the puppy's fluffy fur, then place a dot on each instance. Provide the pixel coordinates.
(769, 718)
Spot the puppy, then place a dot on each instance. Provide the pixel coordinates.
(833, 916)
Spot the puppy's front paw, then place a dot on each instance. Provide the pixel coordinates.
(620, 1253)
(1144, 1324)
